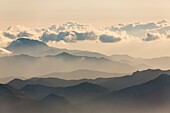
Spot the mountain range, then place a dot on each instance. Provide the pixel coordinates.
(143, 91)
(37, 58)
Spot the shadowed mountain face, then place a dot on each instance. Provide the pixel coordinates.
(143, 91)
(75, 94)
(139, 98)
(16, 101)
(136, 78)
(114, 83)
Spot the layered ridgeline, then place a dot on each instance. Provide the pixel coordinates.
(143, 91)
(27, 58)
(32, 58)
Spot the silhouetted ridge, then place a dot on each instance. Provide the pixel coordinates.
(10, 91)
(146, 72)
(86, 86)
(25, 42)
(53, 97)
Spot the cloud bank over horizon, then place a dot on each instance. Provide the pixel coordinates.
(72, 35)
(71, 32)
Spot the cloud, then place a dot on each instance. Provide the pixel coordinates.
(68, 36)
(73, 26)
(24, 34)
(9, 35)
(139, 30)
(86, 36)
(72, 32)
(109, 39)
(152, 36)
(4, 52)
(65, 36)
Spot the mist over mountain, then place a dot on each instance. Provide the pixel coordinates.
(139, 98)
(41, 78)
(61, 62)
(81, 74)
(84, 56)
(141, 91)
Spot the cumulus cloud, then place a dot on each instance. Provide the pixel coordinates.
(65, 36)
(109, 39)
(24, 34)
(152, 36)
(68, 36)
(86, 35)
(139, 30)
(9, 35)
(73, 26)
(72, 32)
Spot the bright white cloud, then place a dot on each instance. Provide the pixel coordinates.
(4, 52)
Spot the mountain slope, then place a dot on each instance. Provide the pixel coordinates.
(81, 74)
(114, 83)
(63, 62)
(135, 99)
(136, 78)
(75, 94)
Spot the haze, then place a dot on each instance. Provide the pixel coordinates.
(98, 13)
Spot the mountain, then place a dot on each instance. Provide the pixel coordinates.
(54, 103)
(136, 78)
(36, 91)
(70, 57)
(29, 46)
(54, 99)
(75, 94)
(34, 47)
(135, 99)
(84, 91)
(156, 91)
(63, 62)
(89, 54)
(81, 74)
(154, 63)
(16, 101)
(10, 91)
(6, 79)
(52, 82)
(140, 92)
(113, 83)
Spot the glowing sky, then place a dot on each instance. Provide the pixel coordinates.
(96, 12)
(44, 13)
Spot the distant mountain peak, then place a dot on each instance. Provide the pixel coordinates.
(147, 71)
(164, 77)
(27, 46)
(65, 54)
(88, 86)
(53, 99)
(21, 42)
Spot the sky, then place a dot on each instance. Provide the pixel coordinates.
(96, 12)
(154, 41)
